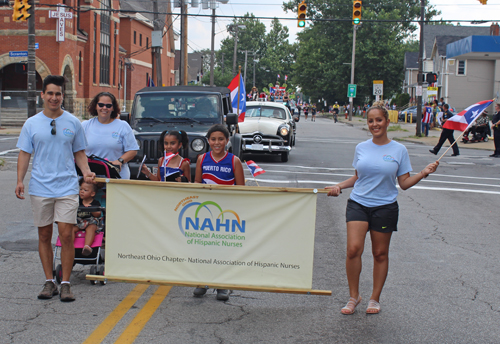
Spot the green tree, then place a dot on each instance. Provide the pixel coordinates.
(322, 67)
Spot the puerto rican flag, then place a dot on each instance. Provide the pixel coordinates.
(255, 170)
(286, 77)
(279, 76)
(467, 117)
(235, 86)
(150, 82)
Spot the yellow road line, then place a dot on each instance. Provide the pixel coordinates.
(114, 317)
(135, 327)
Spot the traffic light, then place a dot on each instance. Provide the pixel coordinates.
(431, 78)
(301, 14)
(17, 15)
(26, 10)
(356, 12)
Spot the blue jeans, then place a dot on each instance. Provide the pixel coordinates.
(425, 128)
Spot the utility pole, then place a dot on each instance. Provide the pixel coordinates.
(183, 58)
(157, 50)
(420, 71)
(31, 63)
(246, 59)
(222, 66)
(235, 28)
(354, 29)
(212, 54)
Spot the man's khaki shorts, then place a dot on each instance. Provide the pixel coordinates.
(49, 210)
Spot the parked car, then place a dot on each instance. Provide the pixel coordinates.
(268, 129)
(410, 112)
(193, 109)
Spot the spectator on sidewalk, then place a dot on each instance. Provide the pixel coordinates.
(496, 131)
(446, 134)
(426, 119)
(56, 139)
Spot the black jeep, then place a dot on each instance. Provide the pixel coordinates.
(193, 109)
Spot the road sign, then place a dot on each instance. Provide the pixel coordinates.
(378, 87)
(36, 45)
(18, 53)
(351, 90)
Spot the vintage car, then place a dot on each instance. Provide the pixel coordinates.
(193, 109)
(268, 129)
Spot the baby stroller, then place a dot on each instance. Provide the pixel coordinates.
(102, 168)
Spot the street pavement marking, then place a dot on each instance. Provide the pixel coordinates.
(135, 327)
(9, 151)
(115, 316)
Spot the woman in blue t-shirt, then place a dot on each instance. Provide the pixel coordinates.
(107, 136)
(372, 205)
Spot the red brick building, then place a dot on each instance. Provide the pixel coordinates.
(102, 38)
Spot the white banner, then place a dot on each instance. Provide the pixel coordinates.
(244, 238)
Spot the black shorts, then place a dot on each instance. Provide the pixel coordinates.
(382, 219)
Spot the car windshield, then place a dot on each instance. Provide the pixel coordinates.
(265, 111)
(175, 109)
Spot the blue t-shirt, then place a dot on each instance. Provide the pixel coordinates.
(377, 168)
(110, 140)
(53, 173)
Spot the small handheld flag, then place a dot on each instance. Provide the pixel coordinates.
(255, 170)
(150, 82)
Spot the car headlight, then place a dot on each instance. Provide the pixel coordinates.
(283, 131)
(198, 145)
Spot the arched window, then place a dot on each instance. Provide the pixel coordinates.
(105, 40)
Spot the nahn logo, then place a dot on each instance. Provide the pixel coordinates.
(68, 132)
(209, 216)
(389, 158)
(115, 135)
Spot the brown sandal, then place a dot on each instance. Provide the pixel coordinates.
(351, 305)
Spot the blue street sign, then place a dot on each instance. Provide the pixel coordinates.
(18, 53)
(36, 45)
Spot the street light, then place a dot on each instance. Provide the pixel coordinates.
(254, 62)
(235, 29)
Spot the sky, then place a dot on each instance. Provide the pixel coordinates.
(200, 28)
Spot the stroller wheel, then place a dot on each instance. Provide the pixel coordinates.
(93, 271)
(101, 272)
(58, 273)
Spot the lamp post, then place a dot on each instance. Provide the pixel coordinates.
(254, 62)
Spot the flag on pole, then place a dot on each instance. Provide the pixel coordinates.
(286, 77)
(464, 119)
(279, 76)
(255, 170)
(150, 82)
(239, 103)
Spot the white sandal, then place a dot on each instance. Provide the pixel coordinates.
(351, 305)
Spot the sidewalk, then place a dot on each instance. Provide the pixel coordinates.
(10, 130)
(407, 133)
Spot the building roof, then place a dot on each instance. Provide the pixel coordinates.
(431, 31)
(474, 47)
(147, 6)
(411, 60)
(443, 41)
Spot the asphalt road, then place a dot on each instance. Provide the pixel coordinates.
(443, 283)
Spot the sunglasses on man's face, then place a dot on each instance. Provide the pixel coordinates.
(109, 106)
(53, 125)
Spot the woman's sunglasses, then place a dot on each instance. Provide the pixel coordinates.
(109, 106)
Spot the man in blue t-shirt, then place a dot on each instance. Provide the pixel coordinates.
(56, 140)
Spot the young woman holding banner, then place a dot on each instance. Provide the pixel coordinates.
(372, 206)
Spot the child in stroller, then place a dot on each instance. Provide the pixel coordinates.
(87, 251)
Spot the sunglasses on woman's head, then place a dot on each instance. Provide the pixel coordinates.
(53, 125)
(109, 106)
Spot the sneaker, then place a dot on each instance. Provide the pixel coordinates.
(222, 294)
(200, 291)
(49, 290)
(66, 294)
